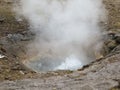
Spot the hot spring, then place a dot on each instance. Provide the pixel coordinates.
(53, 64)
(68, 32)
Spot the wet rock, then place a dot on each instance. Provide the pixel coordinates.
(14, 38)
(17, 37)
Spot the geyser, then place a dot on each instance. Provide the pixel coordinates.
(67, 32)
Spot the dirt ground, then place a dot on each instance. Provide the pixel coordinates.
(103, 74)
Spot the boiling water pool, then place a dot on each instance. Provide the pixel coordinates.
(53, 64)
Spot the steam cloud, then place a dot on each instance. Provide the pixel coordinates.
(67, 31)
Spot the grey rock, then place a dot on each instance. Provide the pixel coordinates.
(107, 75)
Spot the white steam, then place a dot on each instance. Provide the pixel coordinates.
(70, 63)
(66, 29)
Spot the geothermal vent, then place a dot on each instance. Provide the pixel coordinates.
(67, 32)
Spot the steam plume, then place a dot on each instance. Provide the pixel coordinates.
(67, 31)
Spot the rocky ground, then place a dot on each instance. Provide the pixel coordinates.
(103, 74)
